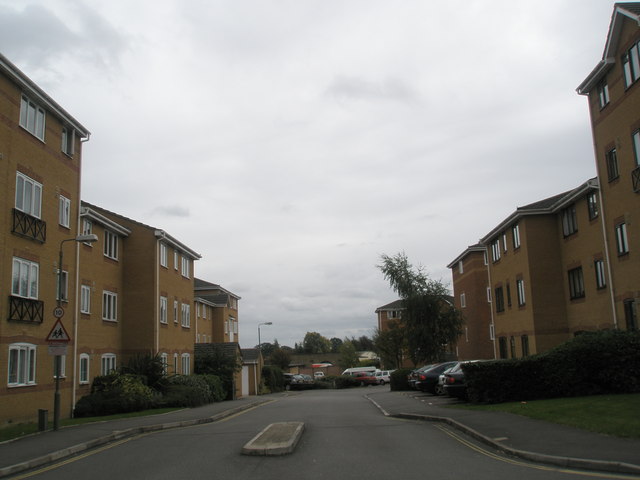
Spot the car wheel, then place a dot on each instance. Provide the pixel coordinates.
(439, 390)
(382, 382)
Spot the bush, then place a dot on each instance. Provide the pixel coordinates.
(116, 393)
(215, 386)
(273, 378)
(185, 391)
(591, 363)
(400, 379)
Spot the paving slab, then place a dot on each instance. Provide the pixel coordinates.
(276, 439)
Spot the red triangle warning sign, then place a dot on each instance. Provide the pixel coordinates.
(58, 333)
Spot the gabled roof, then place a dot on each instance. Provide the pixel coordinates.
(547, 206)
(229, 349)
(470, 249)
(250, 355)
(620, 12)
(39, 96)
(202, 285)
(395, 305)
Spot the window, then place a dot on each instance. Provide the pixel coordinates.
(520, 288)
(186, 364)
(163, 309)
(463, 300)
(515, 232)
(84, 368)
(175, 259)
(499, 296)
(110, 245)
(175, 363)
(64, 283)
(631, 65)
(512, 344)
(630, 314)
(495, 250)
(492, 332)
(603, 93)
(32, 117)
(612, 164)
(488, 294)
(576, 283)
(504, 242)
(109, 306)
(22, 364)
(24, 278)
(635, 138)
(28, 195)
(569, 221)
(394, 314)
(107, 363)
(185, 266)
(486, 259)
(164, 358)
(524, 341)
(622, 244)
(64, 212)
(601, 279)
(502, 343)
(592, 203)
(87, 228)
(186, 314)
(85, 299)
(68, 136)
(460, 267)
(63, 367)
(163, 255)
(508, 295)
(175, 311)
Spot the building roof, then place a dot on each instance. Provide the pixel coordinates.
(395, 305)
(250, 355)
(470, 249)
(39, 95)
(229, 349)
(547, 206)
(201, 285)
(620, 12)
(158, 233)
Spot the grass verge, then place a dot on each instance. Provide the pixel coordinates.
(609, 414)
(22, 429)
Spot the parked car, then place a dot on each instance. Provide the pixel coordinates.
(288, 377)
(383, 376)
(318, 375)
(427, 380)
(454, 382)
(364, 378)
(439, 388)
(413, 376)
(301, 382)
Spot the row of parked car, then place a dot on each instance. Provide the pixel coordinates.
(440, 379)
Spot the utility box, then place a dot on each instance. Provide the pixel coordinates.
(43, 419)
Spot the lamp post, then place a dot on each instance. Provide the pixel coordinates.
(259, 343)
(89, 238)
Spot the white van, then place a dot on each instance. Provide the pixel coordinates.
(354, 370)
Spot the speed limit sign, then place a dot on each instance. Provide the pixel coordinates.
(58, 312)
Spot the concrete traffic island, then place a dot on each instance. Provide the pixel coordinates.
(276, 439)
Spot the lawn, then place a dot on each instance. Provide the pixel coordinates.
(617, 415)
(22, 429)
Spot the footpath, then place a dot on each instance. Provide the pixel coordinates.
(512, 434)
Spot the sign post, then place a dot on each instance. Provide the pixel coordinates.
(58, 339)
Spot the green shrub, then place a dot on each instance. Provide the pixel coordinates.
(400, 379)
(185, 391)
(215, 386)
(116, 393)
(273, 378)
(591, 363)
(343, 381)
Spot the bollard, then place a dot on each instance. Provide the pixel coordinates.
(43, 419)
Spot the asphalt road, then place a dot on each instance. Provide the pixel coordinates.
(345, 437)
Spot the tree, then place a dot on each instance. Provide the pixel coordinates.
(391, 344)
(430, 320)
(280, 358)
(348, 355)
(315, 343)
(335, 344)
(216, 361)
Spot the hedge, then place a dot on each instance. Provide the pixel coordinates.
(589, 364)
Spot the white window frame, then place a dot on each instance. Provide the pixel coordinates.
(504, 242)
(186, 315)
(515, 233)
(175, 259)
(635, 138)
(164, 302)
(175, 311)
(460, 267)
(32, 117)
(25, 278)
(164, 358)
(68, 140)
(22, 360)
(110, 245)
(622, 240)
(85, 299)
(108, 363)
(28, 195)
(495, 250)
(64, 211)
(186, 363)
(488, 294)
(185, 266)
(520, 290)
(463, 300)
(164, 257)
(83, 369)
(631, 65)
(569, 221)
(109, 306)
(601, 275)
(175, 363)
(65, 286)
(603, 93)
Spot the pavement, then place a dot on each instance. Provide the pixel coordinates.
(515, 435)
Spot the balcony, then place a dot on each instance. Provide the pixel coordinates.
(28, 226)
(25, 310)
(635, 179)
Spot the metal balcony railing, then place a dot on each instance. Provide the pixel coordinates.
(635, 179)
(28, 226)
(26, 310)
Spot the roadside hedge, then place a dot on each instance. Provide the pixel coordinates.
(589, 364)
(400, 379)
(273, 378)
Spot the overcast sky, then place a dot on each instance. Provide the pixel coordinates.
(293, 142)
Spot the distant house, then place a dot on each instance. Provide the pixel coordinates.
(218, 309)
(252, 363)
(229, 350)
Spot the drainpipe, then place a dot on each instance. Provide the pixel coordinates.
(493, 325)
(608, 260)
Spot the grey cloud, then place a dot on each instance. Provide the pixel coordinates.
(171, 211)
(355, 88)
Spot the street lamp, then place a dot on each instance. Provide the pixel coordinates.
(88, 238)
(260, 344)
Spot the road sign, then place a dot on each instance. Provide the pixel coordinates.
(58, 312)
(58, 333)
(58, 349)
